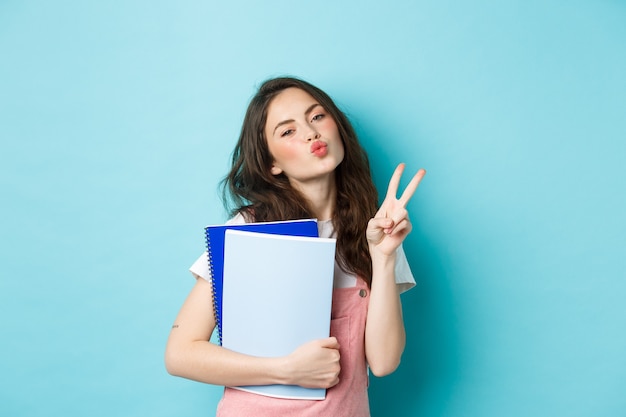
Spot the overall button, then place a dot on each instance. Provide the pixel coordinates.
(362, 293)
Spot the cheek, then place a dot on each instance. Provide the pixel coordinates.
(329, 125)
(332, 131)
(342, 152)
(283, 151)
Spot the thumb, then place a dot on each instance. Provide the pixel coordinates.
(377, 228)
(329, 343)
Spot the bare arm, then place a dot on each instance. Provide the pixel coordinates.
(385, 336)
(189, 354)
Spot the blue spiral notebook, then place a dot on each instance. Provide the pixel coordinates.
(214, 236)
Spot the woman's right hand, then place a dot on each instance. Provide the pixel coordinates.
(314, 364)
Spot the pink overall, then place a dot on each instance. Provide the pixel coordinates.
(346, 399)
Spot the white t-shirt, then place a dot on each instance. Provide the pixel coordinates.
(404, 276)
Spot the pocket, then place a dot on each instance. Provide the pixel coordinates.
(340, 328)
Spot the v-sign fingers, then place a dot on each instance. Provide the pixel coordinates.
(410, 189)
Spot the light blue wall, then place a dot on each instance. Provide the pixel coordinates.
(117, 120)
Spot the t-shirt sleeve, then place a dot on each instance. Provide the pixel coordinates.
(404, 277)
(200, 268)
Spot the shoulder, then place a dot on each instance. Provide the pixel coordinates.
(239, 218)
(200, 268)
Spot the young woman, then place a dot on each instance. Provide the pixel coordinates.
(299, 157)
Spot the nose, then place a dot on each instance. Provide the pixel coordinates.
(312, 135)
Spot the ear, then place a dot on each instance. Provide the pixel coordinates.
(275, 170)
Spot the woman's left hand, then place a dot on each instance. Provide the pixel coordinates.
(391, 224)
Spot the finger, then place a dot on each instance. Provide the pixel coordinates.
(404, 227)
(399, 215)
(394, 182)
(410, 189)
(377, 228)
(330, 343)
(379, 223)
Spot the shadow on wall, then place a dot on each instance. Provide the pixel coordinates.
(430, 362)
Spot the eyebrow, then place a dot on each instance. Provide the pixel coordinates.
(306, 113)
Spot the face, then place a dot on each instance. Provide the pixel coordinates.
(303, 138)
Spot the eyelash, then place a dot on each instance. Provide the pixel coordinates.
(315, 118)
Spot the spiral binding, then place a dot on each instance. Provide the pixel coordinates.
(218, 322)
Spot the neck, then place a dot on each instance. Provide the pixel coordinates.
(321, 196)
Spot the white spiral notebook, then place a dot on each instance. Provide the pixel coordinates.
(277, 295)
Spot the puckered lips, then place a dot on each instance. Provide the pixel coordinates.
(319, 148)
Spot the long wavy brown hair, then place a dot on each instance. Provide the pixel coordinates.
(251, 189)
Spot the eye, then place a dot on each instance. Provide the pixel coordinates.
(286, 133)
(318, 117)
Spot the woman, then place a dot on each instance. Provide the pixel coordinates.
(299, 157)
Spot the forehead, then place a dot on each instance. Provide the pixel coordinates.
(289, 103)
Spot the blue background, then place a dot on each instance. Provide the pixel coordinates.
(117, 120)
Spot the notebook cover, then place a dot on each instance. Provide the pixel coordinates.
(277, 295)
